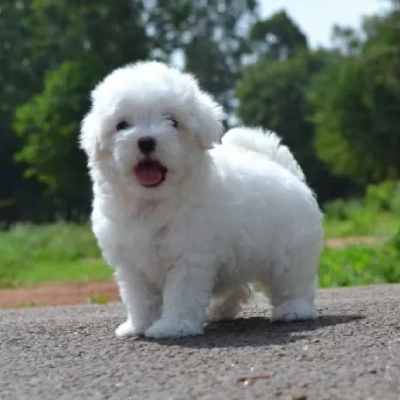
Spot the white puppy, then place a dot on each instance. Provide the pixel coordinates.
(187, 223)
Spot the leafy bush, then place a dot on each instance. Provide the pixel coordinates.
(384, 196)
(377, 214)
(361, 264)
(337, 209)
(345, 218)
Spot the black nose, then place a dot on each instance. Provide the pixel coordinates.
(146, 144)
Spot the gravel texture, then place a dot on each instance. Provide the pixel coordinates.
(351, 352)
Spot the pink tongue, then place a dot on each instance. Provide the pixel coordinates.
(148, 176)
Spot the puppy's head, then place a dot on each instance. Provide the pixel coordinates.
(147, 125)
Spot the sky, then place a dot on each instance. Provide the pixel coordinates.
(317, 17)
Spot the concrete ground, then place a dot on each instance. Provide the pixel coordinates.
(351, 352)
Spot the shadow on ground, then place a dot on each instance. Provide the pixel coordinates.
(255, 332)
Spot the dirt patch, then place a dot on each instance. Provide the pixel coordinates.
(59, 294)
(347, 241)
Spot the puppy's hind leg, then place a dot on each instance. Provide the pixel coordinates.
(291, 287)
(291, 307)
(229, 304)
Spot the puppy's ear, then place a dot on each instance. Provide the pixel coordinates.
(208, 121)
(89, 137)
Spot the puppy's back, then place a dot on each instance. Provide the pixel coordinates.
(265, 143)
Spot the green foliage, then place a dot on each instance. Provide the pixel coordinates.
(346, 40)
(361, 265)
(353, 218)
(277, 37)
(330, 89)
(356, 101)
(17, 83)
(48, 125)
(218, 32)
(272, 94)
(337, 109)
(38, 40)
(384, 196)
(56, 52)
(377, 214)
(64, 30)
(93, 38)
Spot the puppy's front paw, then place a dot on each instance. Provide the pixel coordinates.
(164, 328)
(127, 329)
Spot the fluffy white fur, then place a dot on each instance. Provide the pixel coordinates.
(226, 214)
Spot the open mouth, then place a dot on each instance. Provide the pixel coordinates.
(150, 173)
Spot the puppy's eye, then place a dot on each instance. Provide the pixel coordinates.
(174, 122)
(122, 126)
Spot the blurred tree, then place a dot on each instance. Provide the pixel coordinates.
(61, 47)
(73, 44)
(48, 125)
(94, 38)
(70, 29)
(56, 51)
(346, 40)
(17, 82)
(278, 37)
(273, 95)
(357, 103)
(207, 37)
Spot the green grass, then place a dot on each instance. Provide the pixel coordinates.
(383, 224)
(378, 214)
(359, 265)
(61, 252)
(31, 255)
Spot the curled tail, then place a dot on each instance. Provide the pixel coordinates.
(266, 143)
